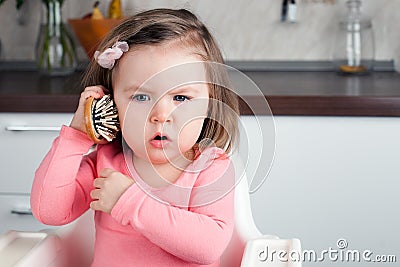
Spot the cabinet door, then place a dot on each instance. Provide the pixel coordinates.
(25, 138)
(15, 214)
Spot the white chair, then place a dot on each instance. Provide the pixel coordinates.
(247, 246)
(72, 245)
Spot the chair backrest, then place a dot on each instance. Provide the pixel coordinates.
(245, 227)
(247, 241)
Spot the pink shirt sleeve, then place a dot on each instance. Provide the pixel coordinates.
(198, 234)
(60, 190)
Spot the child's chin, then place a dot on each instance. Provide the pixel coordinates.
(160, 157)
(158, 160)
(179, 161)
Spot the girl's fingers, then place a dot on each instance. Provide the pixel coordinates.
(95, 194)
(100, 89)
(94, 205)
(103, 89)
(97, 91)
(78, 121)
(98, 182)
(106, 172)
(90, 93)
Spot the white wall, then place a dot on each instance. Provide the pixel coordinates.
(246, 30)
(332, 178)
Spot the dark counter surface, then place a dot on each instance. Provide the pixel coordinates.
(288, 93)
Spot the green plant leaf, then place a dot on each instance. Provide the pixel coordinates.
(19, 3)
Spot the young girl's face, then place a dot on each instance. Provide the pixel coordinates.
(160, 119)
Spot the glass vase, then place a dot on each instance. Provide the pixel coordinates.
(55, 49)
(354, 43)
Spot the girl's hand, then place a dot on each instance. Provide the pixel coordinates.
(78, 121)
(109, 188)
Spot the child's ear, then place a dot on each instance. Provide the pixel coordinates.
(101, 119)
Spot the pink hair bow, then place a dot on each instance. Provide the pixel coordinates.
(107, 58)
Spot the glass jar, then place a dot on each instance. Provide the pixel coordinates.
(55, 49)
(354, 42)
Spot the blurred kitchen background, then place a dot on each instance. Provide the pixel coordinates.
(245, 30)
(336, 141)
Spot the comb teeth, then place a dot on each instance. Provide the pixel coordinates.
(105, 118)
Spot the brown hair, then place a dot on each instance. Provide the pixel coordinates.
(158, 26)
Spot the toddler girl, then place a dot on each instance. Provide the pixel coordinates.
(162, 190)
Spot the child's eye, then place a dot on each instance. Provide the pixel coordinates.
(141, 97)
(181, 98)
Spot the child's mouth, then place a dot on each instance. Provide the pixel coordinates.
(160, 137)
(159, 140)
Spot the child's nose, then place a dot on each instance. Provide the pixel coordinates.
(161, 113)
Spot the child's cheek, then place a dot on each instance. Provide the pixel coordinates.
(189, 134)
(133, 123)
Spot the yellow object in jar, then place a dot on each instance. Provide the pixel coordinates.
(96, 13)
(352, 69)
(115, 10)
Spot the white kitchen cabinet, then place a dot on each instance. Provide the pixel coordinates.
(15, 214)
(333, 178)
(25, 138)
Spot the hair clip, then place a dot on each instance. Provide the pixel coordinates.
(107, 58)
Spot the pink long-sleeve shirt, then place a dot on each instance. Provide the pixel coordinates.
(140, 231)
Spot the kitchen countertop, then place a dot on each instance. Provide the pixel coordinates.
(313, 93)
